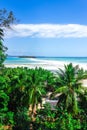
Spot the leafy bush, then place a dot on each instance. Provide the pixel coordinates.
(67, 122)
(21, 120)
(23, 87)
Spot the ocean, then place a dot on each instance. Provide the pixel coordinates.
(17, 60)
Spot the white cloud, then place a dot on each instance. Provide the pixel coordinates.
(47, 31)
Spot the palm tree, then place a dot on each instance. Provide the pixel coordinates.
(35, 90)
(69, 86)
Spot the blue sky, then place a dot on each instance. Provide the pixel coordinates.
(47, 27)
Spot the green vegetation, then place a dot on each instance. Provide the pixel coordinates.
(69, 85)
(6, 19)
(22, 91)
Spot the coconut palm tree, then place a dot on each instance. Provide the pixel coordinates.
(69, 86)
(35, 90)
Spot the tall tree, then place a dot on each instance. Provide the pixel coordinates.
(6, 18)
(69, 86)
(36, 90)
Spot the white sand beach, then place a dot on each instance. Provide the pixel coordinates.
(47, 64)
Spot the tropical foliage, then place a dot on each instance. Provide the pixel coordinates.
(22, 91)
(6, 19)
(68, 84)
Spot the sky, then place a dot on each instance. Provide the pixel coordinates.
(47, 27)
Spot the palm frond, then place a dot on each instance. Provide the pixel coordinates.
(62, 89)
(1, 34)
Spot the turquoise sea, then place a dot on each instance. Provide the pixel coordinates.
(17, 60)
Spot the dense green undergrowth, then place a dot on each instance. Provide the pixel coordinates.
(22, 91)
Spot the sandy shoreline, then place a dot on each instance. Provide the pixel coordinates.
(45, 64)
(49, 65)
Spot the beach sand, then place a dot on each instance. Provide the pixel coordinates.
(49, 65)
